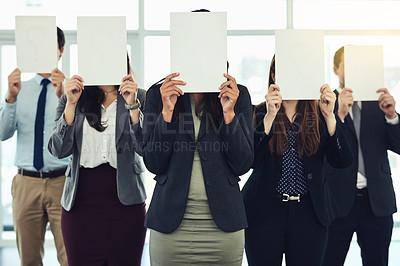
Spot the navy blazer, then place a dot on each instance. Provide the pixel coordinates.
(376, 137)
(267, 171)
(225, 150)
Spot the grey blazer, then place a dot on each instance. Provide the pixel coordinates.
(67, 140)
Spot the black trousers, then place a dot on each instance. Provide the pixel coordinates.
(373, 235)
(290, 228)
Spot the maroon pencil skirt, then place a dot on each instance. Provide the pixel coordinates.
(99, 230)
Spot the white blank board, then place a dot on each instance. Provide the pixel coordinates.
(36, 43)
(198, 50)
(299, 63)
(102, 55)
(363, 71)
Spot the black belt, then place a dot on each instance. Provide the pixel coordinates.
(287, 197)
(40, 174)
(362, 192)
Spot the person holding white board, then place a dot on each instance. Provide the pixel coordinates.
(103, 198)
(285, 196)
(197, 145)
(363, 194)
(29, 109)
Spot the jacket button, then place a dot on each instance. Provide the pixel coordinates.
(309, 176)
(204, 158)
(209, 183)
(119, 149)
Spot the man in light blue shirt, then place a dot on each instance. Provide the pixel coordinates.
(30, 109)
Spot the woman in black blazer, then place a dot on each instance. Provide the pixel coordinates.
(197, 145)
(285, 196)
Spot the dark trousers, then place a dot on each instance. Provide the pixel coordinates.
(99, 230)
(373, 235)
(291, 228)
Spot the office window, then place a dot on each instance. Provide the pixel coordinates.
(250, 14)
(67, 11)
(346, 15)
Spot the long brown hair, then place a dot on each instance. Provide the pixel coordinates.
(307, 118)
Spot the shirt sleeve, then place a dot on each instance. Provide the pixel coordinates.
(8, 120)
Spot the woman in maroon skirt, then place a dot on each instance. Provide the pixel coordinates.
(103, 200)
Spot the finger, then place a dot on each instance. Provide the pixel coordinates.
(128, 84)
(172, 93)
(127, 78)
(233, 97)
(226, 84)
(384, 90)
(172, 83)
(172, 89)
(226, 90)
(226, 75)
(171, 76)
(274, 87)
(76, 77)
(347, 90)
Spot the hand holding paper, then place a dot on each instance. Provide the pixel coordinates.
(14, 86)
(387, 103)
(345, 102)
(128, 89)
(327, 105)
(57, 80)
(274, 102)
(169, 95)
(228, 95)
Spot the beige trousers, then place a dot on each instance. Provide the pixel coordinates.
(36, 202)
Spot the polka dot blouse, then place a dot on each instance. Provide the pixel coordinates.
(292, 181)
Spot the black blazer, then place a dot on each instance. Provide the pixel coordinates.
(377, 136)
(226, 152)
(262, 184)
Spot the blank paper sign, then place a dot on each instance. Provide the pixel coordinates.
(299, 63)
(102, 51)
(36, 43)
(198, 50)
(363, 71)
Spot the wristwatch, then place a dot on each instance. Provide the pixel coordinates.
(133, 106)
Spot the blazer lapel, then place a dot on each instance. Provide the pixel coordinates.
(188, 125)
(79, 119)
(121, 118)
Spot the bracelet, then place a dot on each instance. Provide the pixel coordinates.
(133, 106)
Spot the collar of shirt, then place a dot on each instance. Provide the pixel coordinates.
(39, 79)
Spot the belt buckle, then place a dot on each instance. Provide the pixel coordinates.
(285, 197)
(41, 175)
(295, 197)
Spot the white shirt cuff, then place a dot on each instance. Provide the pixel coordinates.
(393, 121)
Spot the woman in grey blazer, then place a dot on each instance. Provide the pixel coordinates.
(103, 199)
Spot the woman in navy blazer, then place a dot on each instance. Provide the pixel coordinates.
(285, 196)
(197, 145)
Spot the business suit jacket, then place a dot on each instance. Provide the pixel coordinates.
(67, 140)
(226, 151)
(267, 171)
(376, 137)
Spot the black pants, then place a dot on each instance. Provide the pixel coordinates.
(291, 228)
(373, 235)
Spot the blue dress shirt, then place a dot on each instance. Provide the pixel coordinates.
(20, 117)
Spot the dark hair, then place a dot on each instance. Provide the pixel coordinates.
(91, 100)
(60, 38)
(337, 58)
(201, 10)
(308, 137)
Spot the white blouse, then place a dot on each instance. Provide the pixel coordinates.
(99, 147)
